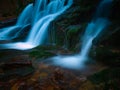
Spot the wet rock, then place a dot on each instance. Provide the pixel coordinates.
(111, 38)
(73, 35)
(106, 79)
(23, 33)
(107, 55)
(43, 52)
(79, 13)
(7, 22)
(15, 73)
(46, 51)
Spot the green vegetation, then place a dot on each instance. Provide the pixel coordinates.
(43, 52)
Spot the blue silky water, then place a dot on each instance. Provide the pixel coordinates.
(93, 29)
(39, 17)
(12, 32)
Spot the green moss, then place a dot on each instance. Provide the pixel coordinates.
(73, 35)
(73, 30)
(43, 52)
(40, 54)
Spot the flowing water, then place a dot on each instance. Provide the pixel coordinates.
(93, 29)
(39, 17)
(12, 32)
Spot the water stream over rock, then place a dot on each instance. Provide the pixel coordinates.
(93, 29)
(39, 17)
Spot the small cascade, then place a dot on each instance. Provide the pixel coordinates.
(12, 32)
(25, 16)
(39, 17)
(50, 12)
(93, 29)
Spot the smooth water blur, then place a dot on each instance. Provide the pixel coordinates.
(25, 16)
(93, 29)
(103, 10)
(38, 32)
(39, 17)
(12, 32)
(70, 62)
(42, 13)
(9, 32)
(18, 45)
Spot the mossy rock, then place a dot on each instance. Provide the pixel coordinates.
(72, 34)
(87, 86)
(73, 29)
(43, 52)
(78, 14)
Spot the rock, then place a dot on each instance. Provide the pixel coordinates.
(73, 35)
(10, 22)
(43, 52)
(106, 79)
(107, 55)
(80, 13)
(15, 73)
(23, 33)
(46, 51)
(87, 86)
(111, 38)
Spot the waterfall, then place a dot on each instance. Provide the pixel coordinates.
(39, 17)
(12, 32)
(50, 12)
(93, 29)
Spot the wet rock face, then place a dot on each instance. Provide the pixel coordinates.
(70, 25)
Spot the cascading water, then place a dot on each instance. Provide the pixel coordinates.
(39, 17)
(13, 31)
(94, 28)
